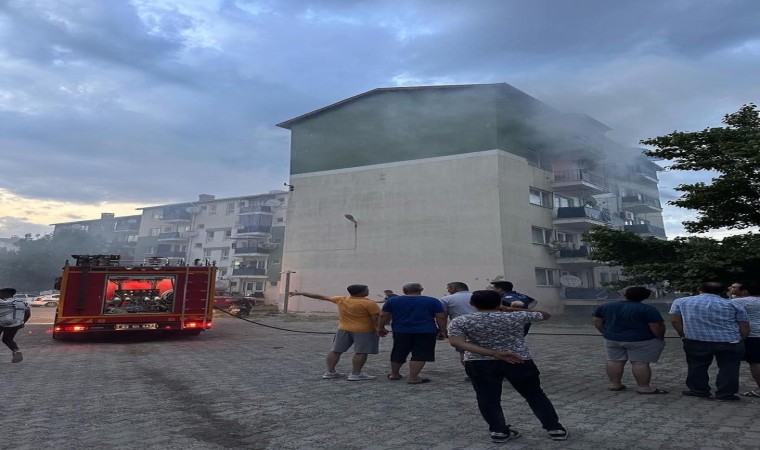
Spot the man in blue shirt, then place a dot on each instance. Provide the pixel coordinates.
(711, 327)
(510, 298)
(418, 320)
(633, 332)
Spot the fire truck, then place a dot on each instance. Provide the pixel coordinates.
(103, 294)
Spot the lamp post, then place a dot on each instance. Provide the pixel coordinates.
(356, 224)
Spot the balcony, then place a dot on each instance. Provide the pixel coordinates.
(579, 180)
(580, 217)
(127, 228)
(641, 204)
(242, 251)
(577, 257)
(249, 272)
(641, 173)
(176, 216)
(255, 210)
(252, 230)
(174, 236)
(646, 230)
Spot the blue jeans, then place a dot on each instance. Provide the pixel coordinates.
(699, 357)
(487, 377)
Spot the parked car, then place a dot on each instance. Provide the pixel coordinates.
(27, 297)
(46, 300)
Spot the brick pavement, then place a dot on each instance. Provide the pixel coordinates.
(245, 386)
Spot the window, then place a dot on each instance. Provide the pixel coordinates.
(204, 207)
(259, 286)
(275, 261)
(541, 236)
(201, 226)
(280, 219)
(566, 237)
(222, 271)
(198, 245)
(154, 231)
(211, 210)
(167, 230)
(544, 277)
(225, 254)
(233, 284)
(561, 201)
(209, 236)
(231, 208)
(540, 198)
(182, 248)
(150, 251)
(132, 238)
(158, 214)
(207, 254)
(227, 235)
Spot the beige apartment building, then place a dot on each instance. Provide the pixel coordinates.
(471, 183)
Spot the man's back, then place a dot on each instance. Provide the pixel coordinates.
(413, 313)
(628, 321)
(458, 304)
(710, 317)
(752, 305)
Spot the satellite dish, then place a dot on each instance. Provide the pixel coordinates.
(570, 281)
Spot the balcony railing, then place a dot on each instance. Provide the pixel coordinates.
(248, 271)
(641, 171)
(170, 235)
(170, 254)
(579, 175)
(246, 250)
(177, 215)
(580, 252)
(644, 228)
(642, 198)
(255, 209)
(583, 212)
(255, 229)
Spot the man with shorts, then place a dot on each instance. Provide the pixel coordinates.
(418, 320)
(748, 294)
(633, 332)
(495, 350)
(357, 326)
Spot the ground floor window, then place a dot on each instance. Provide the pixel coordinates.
(544, 277)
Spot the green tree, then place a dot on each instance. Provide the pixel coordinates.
(38, 260)
(732, 199)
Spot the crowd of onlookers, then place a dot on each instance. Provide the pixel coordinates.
(488, 329)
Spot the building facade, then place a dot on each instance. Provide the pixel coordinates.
(242, 235)
(118, 234)
(471, 183)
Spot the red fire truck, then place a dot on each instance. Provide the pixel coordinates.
(101, 293)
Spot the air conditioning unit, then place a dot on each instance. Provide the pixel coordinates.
(626, 215)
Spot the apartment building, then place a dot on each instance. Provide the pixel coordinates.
(119, 234)
(471, 183)
(242, 235)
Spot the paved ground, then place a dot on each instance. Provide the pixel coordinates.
(247, 386)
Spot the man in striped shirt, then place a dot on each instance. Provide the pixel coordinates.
(748, 294)
(711, 327)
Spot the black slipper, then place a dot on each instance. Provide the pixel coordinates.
(392, 378)
(420, 380)
(656, 391)
(621, 388)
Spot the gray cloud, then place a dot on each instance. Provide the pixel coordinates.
(155, 101)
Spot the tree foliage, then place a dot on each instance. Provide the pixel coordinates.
(681, 263)
(732, 199)
(38, 260)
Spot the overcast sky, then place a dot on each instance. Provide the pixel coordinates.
(110, 105)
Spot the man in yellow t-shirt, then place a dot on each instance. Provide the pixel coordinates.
(357, 326)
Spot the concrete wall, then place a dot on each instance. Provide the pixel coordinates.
(433, 221)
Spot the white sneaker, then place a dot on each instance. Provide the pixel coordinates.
(501, 438)
(361, 377)
(329, 375)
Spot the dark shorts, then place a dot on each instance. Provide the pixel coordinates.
(420, 345)
(752, 350)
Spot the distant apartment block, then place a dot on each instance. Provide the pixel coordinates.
(242, 235)
(119, 234)
(10, 244)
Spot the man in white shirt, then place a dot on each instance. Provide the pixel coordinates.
(14, 313)
(748, 294)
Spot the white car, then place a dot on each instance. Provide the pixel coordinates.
(46, 300)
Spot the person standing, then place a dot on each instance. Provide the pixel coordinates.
(418, 320)
(510, 298)
(14, 313)
(711, 327)
(495, 350)
(456, 304)
(748, 294)
(633, 332)
(357, 326)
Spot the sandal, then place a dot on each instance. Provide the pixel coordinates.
(654, 392)
(419, 380)
(755, 394)
(621, 388)
(392, 378)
